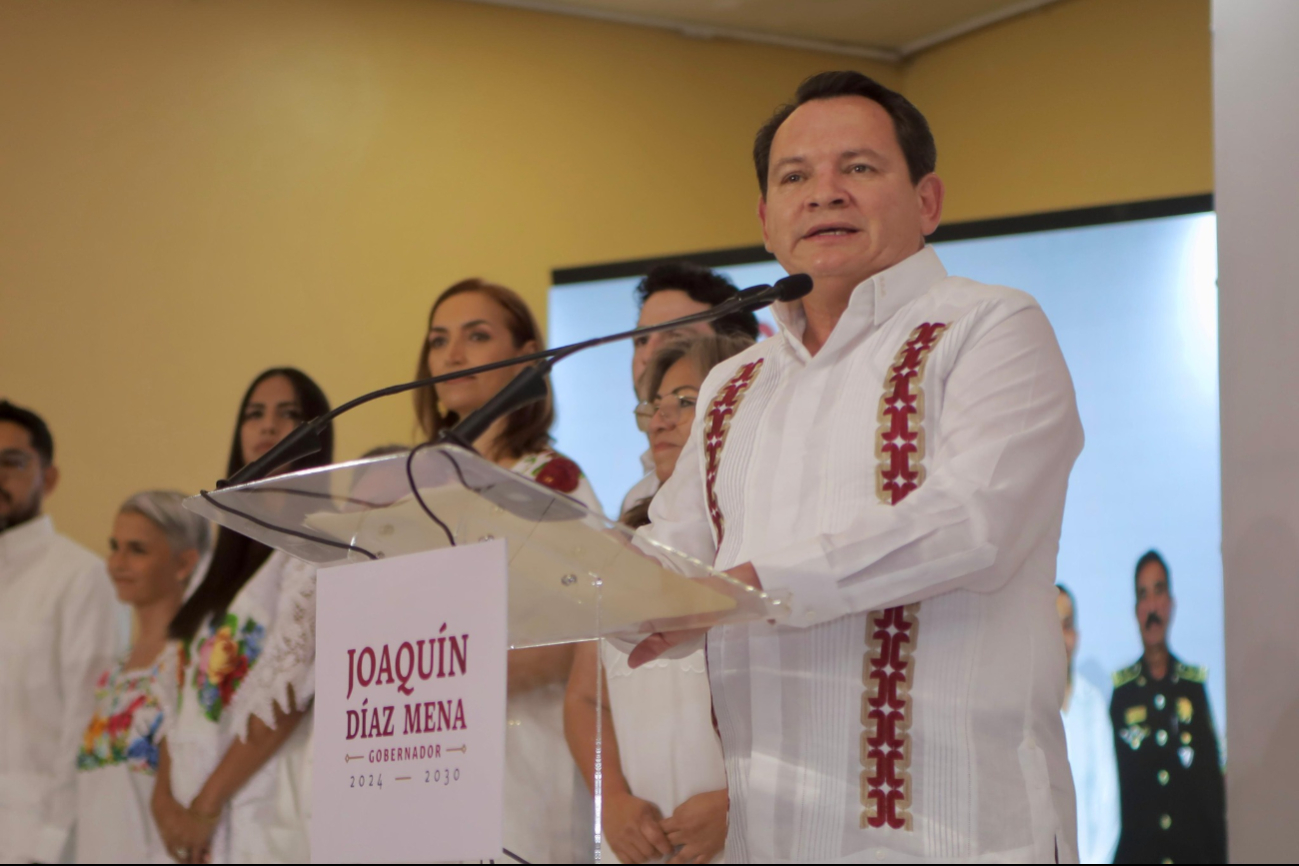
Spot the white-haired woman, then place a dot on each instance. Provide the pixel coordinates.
(155, 548)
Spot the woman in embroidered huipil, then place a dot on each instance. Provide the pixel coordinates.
(155, 547)
(245, 644)
(472, 323)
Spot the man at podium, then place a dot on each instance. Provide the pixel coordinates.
(894, 462)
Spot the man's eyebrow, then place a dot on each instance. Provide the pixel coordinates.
(862, 151)
(847, 154)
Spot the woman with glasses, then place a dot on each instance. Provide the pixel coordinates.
(471, 324)
(663, 779)
(246, 658)
(155, 548)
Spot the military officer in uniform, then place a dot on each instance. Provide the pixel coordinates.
(1170, 779)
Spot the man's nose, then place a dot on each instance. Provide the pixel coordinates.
(828, 190)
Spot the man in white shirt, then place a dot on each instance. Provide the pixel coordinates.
(59, 630)
(894, 462)
(670, 291)
(1090, 738)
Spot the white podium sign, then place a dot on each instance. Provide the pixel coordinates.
(410, 708)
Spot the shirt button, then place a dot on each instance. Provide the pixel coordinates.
(1163, 777)
(1165, 822)
(1159, 702)
(1161, 737)
(879, 853)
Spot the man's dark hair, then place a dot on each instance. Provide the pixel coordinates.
(703, 285)
(42, 441)
(1153, 556)
(910, 126)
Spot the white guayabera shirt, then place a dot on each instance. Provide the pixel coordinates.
(60, 627)
(905, 487)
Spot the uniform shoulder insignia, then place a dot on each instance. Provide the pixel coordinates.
(1193, 673)
(1127, 675)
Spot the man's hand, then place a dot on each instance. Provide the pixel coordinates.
(698, 827)
(746, 573)
(661, 641)
(632, 829)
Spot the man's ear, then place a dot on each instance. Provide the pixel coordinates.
(762, 219)
(930, 192)
(49, 479)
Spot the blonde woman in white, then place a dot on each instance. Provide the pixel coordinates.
(664, 782)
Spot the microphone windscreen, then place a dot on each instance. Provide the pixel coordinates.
(793, 287)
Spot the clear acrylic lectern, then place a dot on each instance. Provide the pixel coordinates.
(573, 576)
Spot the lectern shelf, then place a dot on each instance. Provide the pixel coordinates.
(573, 575)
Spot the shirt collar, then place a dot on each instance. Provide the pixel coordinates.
(23, 544)
(874, 301)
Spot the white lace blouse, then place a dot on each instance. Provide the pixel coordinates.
(237, 666)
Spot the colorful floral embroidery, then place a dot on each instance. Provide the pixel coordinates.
(124, 728)
(224, 659)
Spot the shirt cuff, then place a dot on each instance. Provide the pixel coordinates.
(802, 571)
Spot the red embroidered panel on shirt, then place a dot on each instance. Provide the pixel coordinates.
(888, 667)
(887, 673)
(717, 423)
(900, 438)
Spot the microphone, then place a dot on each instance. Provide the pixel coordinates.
(791, 288)
(528, 386)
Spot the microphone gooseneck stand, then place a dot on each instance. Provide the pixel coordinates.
(529, 386)
(305, 440)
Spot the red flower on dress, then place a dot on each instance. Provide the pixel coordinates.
(232, 680)
(560, 474)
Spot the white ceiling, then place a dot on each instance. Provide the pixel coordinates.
(888, 30)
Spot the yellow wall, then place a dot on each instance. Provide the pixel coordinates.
(1083, 102)
(191, 192)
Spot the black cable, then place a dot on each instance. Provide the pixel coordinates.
(262, 523)
(410, 477)
(515, 857)
(459, 473)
